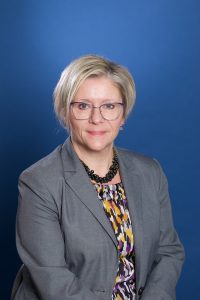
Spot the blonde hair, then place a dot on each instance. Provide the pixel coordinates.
(91, 66)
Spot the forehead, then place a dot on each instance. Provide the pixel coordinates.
(98, 88)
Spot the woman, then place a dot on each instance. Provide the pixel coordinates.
(94, 221)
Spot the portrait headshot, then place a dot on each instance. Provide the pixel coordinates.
(99, 151)
(94, 221)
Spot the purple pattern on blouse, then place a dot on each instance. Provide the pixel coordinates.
(116, 208)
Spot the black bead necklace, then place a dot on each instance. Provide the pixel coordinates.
(109, 176)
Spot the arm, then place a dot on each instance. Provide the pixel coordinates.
(41, 246)
(166, 269)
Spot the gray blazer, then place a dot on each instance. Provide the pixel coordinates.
(66, 243)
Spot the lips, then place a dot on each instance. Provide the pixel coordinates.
(96, 133)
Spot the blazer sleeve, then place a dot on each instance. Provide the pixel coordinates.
(40, 244)
(162, 280)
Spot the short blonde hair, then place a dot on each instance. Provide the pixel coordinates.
(91, 66)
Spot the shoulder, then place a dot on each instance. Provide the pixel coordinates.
(137, 159)
(144, 165)
(46, 169)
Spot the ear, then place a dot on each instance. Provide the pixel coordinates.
(122, 122)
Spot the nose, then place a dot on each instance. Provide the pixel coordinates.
(95, 116)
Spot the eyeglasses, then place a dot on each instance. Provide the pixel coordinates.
(109, 111)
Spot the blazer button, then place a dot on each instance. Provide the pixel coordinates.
(140, 291)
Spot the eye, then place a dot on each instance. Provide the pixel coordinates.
(109, 106)
(83, 105)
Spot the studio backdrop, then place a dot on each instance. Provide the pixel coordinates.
(159, 42)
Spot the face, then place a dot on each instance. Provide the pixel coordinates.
(96, 133)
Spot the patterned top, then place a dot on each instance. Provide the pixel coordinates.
(116, 208)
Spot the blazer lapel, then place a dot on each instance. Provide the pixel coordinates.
(77, 179)
(131, 179)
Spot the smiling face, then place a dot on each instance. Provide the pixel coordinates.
(95, 134)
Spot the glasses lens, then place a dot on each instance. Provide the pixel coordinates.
(111, 111)
(81, 110)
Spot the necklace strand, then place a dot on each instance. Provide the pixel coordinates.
(109, 176)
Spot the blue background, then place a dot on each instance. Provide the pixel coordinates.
(159, 41)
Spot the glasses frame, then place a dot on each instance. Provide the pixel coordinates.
(99, 107)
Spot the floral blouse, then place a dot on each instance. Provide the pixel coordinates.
(116, 209)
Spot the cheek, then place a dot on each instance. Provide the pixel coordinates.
(73, 128)
(72, 123)
(115, 127)
(117, 124)
(76, 129)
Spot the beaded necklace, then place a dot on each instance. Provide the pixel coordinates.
(109, 176)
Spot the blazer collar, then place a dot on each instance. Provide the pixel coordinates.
(76, 178)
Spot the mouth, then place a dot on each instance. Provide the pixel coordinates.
(96, 133)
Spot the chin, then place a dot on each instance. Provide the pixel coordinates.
(97, 147)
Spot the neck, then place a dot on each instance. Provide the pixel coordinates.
(99, 161)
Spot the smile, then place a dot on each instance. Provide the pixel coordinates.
(96, 133)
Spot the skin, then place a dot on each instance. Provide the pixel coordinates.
(93, 139)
